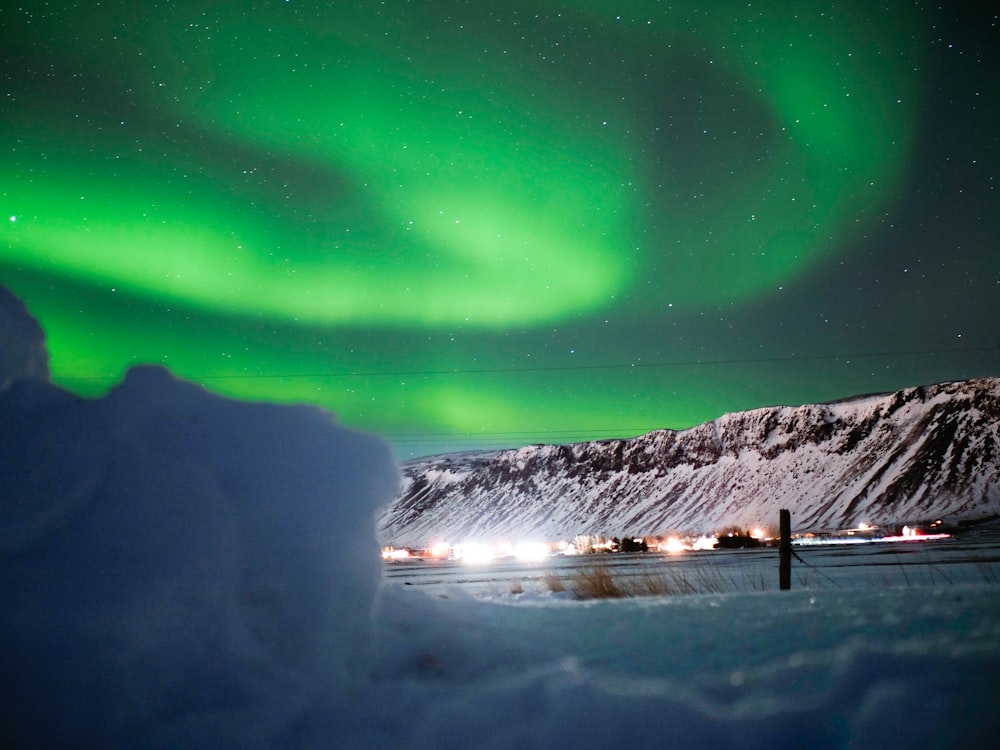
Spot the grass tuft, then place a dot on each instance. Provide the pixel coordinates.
(553, 582)
(596, 582)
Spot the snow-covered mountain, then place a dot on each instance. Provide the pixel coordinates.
(921, 453)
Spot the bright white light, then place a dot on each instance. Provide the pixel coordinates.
(704, 542)
(757, 533)
(474, 553)
(441, 549)
(531, 551)
(391, 553)
(673, 545)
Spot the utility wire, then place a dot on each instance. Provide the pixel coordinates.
(563, 368)
(813, 567)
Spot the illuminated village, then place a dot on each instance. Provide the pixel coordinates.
(533, 551)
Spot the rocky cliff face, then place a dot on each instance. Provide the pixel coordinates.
(916, 454)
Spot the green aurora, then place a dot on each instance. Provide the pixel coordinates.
(462, 226)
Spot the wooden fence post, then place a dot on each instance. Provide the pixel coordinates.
(785, 551)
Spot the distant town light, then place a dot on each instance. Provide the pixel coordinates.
(473, 553)
(531, 551)
(674, 545)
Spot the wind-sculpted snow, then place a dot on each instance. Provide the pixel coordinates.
(22, 343)
(178, 569)
(917, 454)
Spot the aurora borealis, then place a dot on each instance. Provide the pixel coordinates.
(460, 224)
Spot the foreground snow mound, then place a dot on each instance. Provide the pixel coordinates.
(855, 668)
(22, 343)
(178, 569)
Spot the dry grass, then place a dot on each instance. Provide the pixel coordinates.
(553, 583)
(603, 580)
(653, 584)
(596, 581)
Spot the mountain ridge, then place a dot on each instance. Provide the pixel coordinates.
(917, 453)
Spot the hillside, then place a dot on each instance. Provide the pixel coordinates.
(919, 453)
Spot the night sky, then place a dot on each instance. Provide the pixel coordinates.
(473, 224)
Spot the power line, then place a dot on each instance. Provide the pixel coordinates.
(517, 433)
(520, 438)
(563, 368)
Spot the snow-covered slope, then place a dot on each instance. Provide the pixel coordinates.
(923, 452)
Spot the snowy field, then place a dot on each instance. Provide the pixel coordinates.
(179, 570)
(971, 557)
(862, 668)
(876, 645)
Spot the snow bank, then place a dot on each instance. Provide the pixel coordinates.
(857, 668)
(22, 343)
(177, 569)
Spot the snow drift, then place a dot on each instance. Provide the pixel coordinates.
(918, 454)
(178, 570)
(175, 565)
(22, 342)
